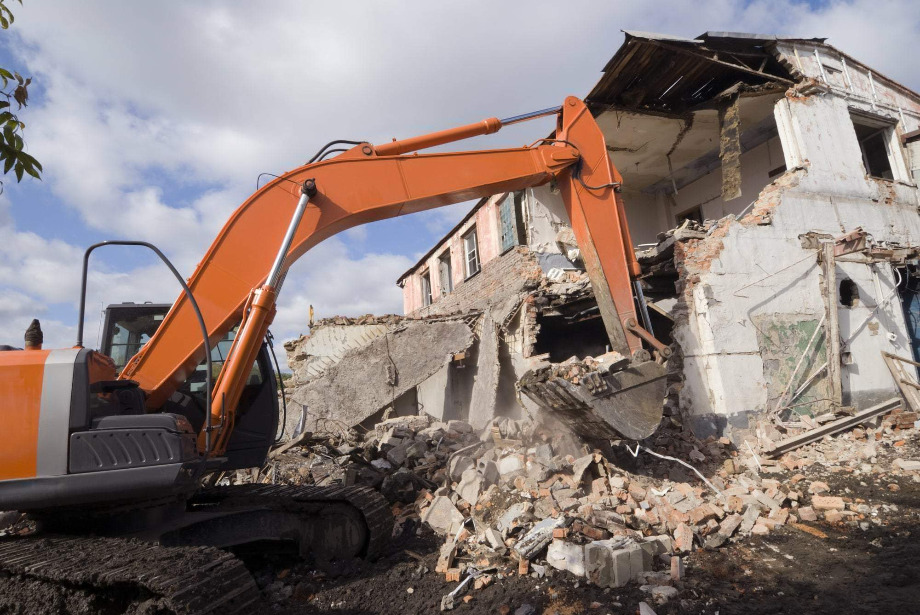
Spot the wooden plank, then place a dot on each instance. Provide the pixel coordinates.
(832, 329)
(846, 422)
(907, 384)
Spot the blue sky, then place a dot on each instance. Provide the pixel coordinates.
(153, 121)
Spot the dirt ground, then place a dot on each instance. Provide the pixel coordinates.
(814, 568)
(835, 569)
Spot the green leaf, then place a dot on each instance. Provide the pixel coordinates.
(8, 165)
(33, 173)
(19, 172)
(3, 104)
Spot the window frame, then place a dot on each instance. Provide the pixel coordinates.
(445, 257)
(467, 253)
(884, 128)
(425, 284)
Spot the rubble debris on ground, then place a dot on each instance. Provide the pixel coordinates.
(506, 501)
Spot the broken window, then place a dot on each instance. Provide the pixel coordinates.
(426, 288)
(445, 274)
(874, 136)
(471, 250)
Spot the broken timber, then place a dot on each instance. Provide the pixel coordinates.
(846, 422)
(909, 387)
(832, 329)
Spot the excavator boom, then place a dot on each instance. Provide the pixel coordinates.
(369, 183)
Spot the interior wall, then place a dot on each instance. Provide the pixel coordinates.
(706, 192)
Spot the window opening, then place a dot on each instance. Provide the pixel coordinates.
(695, 214)
(445, 273)
(873, 141)
(849, 293)
(426, 288)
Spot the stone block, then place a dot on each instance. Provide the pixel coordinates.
(621, 567)
(510, 465)
(639, 561)
(489, 471)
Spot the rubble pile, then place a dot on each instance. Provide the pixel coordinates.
(520, 499)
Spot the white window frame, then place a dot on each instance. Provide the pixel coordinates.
(471, 252)
(889, 138)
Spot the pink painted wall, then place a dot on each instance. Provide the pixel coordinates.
(488, 234)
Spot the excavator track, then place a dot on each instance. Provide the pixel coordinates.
(131, 575)
(289, 498)
(126, 573)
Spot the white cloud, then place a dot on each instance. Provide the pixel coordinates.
(141, 102)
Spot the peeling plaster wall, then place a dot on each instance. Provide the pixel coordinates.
(755, 271)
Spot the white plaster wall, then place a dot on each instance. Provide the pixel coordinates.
(762, 270)
(645, 216)
(853, 82)
(875, 325)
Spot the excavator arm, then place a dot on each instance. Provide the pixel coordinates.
(369, 183)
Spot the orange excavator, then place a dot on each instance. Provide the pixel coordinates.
(88, 451)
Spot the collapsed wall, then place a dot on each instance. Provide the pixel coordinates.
(373, 376)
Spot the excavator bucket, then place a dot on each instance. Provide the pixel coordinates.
(602, 403)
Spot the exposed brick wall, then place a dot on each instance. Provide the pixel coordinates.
(511, 273)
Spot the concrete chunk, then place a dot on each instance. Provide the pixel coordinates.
(563, 555)
(513, 517)
(442, 515)
(470, 486)
(458, 465)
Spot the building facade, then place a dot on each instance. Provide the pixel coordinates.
(790, 171)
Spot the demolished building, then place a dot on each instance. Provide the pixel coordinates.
(770, 186)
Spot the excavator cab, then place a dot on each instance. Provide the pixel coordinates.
(128, 326)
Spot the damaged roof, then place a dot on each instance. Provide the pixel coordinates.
(673, 75)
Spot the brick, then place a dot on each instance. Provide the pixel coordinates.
(807, 513)
(827, 502)
(683, 538)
